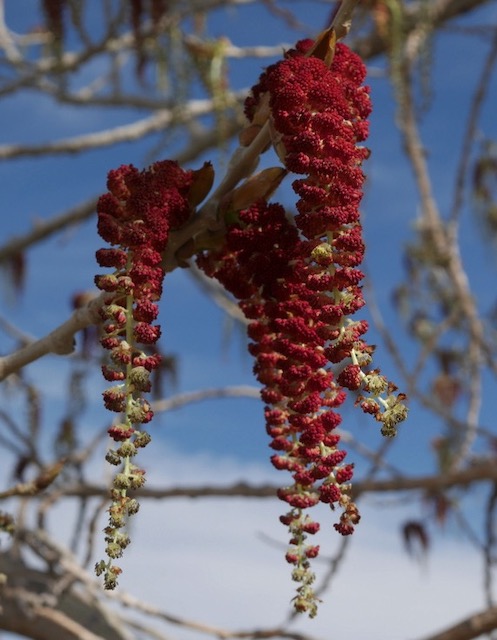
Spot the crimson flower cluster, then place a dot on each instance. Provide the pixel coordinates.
(296, 277)
(319, 118)
(266, 264)
(136, 217)
(298, 283)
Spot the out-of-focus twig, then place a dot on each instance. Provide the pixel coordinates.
(44, 228)
(484, 471)
(474, 626)
(483, 87)
(60, 341)
(445, 243)
(182, 399)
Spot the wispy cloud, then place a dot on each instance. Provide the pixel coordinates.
(207, 560)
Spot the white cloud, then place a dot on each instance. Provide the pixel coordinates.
(206, 560)
(213, 561)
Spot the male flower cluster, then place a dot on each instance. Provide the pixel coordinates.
(299, 284)
(135, 217)
(319, 118)
(265, 264)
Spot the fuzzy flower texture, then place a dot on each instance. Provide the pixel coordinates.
(297, 281)
(135, 217)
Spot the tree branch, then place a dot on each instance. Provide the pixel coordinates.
(442, 11)
(60, 341)
(43, 229)
(159, 121)
(481, 472)
(181, 399)
(446, 249)
(472, 627)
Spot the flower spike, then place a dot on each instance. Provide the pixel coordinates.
(136, 217)
(298, 282)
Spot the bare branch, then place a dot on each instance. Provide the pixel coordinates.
(182, 399)
(472, 627)
(125, 133)
(44, 228)
(483, 87)
(445, 242)
(441, 11)
(219, 632)
(60, 341)
(484, 471)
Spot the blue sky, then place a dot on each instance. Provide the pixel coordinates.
(229, 436)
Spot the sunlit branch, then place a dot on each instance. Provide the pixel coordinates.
(445, 243)
(483, 86)
(60, 341)
(473, 627)
(157, 122)
(484, 471)
(182, 399)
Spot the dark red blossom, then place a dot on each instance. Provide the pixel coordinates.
(110, 342)
(111, 374)
(351, 377)
(312, 551)
(145, 311)
(145, 333)
(136, 217)
(329, 493)
(116, 258)
(289, 344)
(114, 399)
(149, 362)
(344, 474)
(120, 432)
(298, 498)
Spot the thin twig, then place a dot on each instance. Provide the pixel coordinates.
(182, 399)
(60, 341)
(157, 122)
(444, 241)
(483, 87)
(489, 547)
(473, 627)
(44, 228)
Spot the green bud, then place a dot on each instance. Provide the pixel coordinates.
(140, 378)
(137, 480)
(110, 580)
(323, 253)
(117, 518)
(122, 539)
